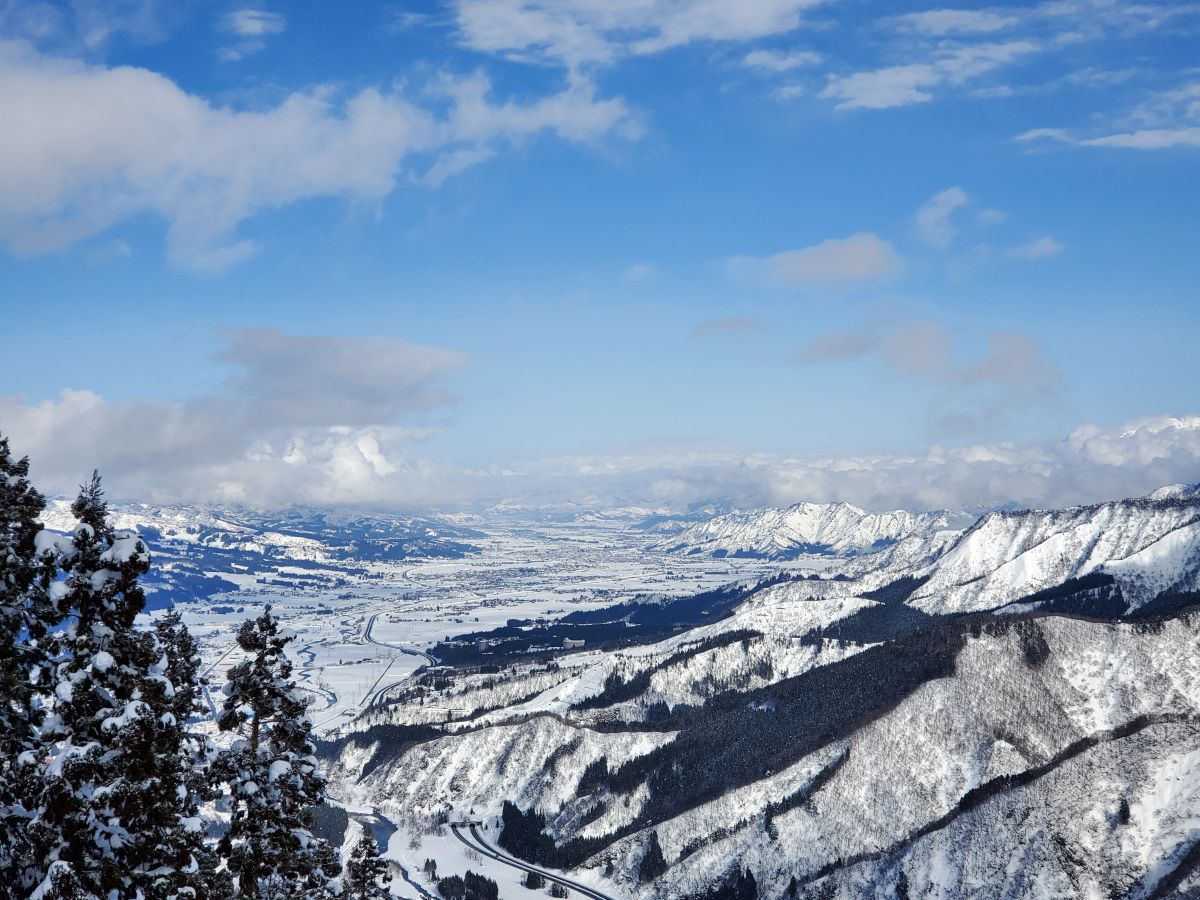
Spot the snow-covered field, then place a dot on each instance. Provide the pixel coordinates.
(365, 633)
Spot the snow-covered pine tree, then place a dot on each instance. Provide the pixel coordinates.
(272, 772)
(26, 614)
(115, 817)
(181, 654)
(366, 876)
(183, 664)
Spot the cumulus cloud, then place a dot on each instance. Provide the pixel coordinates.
(861, 257)
(87, 147)
(294, 409)
(1093, 463)
(163, 453)
(933, 220)
(148, 451)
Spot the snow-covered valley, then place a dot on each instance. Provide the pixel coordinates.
(946, 729)
(1007, 710)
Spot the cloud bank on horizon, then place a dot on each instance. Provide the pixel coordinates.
(239, 449)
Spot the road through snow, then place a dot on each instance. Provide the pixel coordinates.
(479, 845)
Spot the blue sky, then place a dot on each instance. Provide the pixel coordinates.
(599, 252)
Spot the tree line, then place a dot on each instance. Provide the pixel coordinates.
(106, 788)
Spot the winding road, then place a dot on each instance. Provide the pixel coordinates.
(479, 845)
(376, 697)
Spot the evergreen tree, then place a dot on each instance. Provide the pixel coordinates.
(181, 654)
(116, 815)
(452, 887)
(26, 615)
(534, 881)
(367, 875)
(272, 773)
(183, 664)
(653, 864)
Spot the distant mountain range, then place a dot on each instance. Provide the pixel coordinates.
(1007, 711)
(200, 551)
(805, 529)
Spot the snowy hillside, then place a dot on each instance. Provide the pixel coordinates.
(937, 719)
(832, 529)
(204, 551)
(1147, 545)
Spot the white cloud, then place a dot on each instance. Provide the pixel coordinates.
(858, 258)
(1148, 139)
(252, 27)
(313, 421)
(1093, 463)
(253, 23)
(1141, 139)
(775, 61)
(86, 26)
(1161, 120)
(315, 416)
(579, 32)
(1043, 134)
(162, 453)
(942, 22)
(87, 147)
(884, 88)
(933, 220)
(324, 381)
(1039, 248)
(945, 64)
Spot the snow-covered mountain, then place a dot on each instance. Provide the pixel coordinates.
(830, 529)
(1140, 547)
(196, 549)
(1011, 711)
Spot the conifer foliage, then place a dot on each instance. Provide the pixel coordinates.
(26, 614)
(115, 815)
(367, 876)
(105, 793)
(272, 773)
